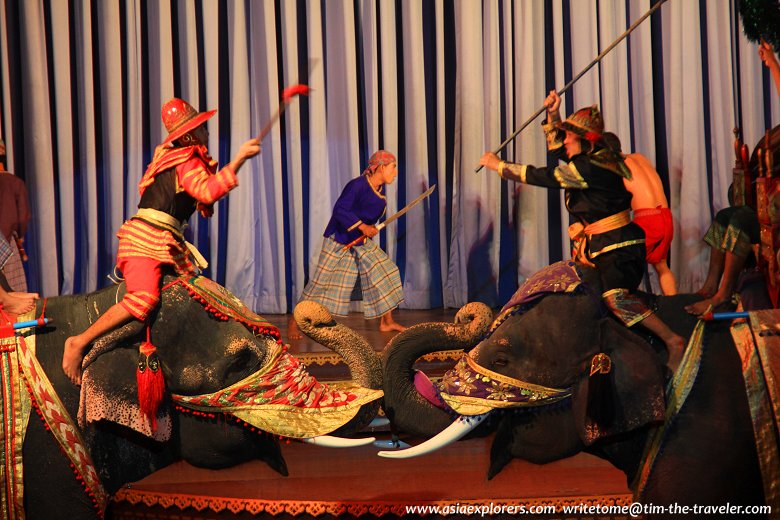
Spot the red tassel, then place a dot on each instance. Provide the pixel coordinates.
(294, 90)
(151, 385)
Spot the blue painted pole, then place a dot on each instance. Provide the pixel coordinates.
(725, 316)
(31, 323)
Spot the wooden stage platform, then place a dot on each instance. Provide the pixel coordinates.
(330, 483)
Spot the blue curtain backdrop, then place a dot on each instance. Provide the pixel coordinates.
(436, 82)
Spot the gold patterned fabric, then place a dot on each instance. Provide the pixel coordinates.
(283, 399)
(560, 277)
(677, 392)
(470, 389)
(714, 235)
(553, 135)
(14, 416)
(627, 307)
(737, 241)
(609, 160)
(568, 177)
(758, 344)
(24, 384)
(580, 235)
(730, 238)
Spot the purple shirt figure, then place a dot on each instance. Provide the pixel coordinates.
(358, 204)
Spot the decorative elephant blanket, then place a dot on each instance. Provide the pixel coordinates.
(25, 386)
(222, 304)
(281, 398)
(470, 389)
(758, 343)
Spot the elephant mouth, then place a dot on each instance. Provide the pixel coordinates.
(471, 389)
(473, 392)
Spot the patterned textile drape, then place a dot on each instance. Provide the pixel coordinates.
(435, 82)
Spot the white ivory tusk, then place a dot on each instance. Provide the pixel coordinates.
(328, 441)
(460, 427)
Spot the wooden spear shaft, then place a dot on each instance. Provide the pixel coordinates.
(578, 76)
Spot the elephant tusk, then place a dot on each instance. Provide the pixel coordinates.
(459, 428)
(329, 441)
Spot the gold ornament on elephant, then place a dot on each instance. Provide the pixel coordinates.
(600, 364)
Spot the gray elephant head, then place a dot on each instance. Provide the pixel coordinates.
(532, 375)
(209, 343)
(557, 375)
(587, 378)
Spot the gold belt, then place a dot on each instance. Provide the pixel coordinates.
(579, 233)
(170, 223)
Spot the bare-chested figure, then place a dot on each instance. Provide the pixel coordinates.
(651, 212)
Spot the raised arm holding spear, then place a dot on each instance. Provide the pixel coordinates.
(577, 77)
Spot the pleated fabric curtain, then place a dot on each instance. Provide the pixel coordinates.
(436, 82)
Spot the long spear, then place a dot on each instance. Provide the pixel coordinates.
(578, 76)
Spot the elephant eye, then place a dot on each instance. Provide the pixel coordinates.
(500, 362)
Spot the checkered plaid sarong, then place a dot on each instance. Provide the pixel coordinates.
(14, 270)
(5, 251)
(338, 270)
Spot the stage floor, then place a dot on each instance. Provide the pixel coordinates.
(356, 482)
(329, 483)
(369, 329)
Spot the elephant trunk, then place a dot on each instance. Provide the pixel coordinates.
(316, 322)
(404, 406)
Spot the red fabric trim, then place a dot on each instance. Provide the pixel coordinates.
(314, 508)
(76, 473)
(166, 158)
(268, 330)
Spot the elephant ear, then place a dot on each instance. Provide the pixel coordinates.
(108, 384)
(629, 396)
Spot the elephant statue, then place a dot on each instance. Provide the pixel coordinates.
(206, 341)
(557, 375)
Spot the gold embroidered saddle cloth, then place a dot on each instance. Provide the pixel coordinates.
(25, 387)
(758, 343)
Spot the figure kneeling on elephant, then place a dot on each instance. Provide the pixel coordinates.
(231, 389)
(557, 374)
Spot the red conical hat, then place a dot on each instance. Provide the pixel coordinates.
(179, 117)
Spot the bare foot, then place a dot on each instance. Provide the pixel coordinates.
(19, 302)
(72, 358)
(293, 332)
(699, 308)
(389, 328)
(676, 348)
(708, 290)
(390, 325)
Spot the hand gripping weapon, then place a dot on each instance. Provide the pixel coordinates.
(578, 76)
(399, 213)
